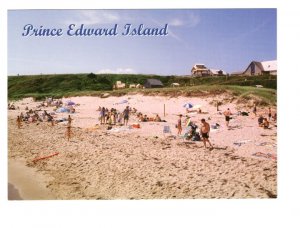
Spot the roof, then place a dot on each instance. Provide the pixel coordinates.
(154, 81)
(199, 65)
(265, 65)
(269, 65)
(237, 72)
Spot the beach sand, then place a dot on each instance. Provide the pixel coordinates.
(144, 163)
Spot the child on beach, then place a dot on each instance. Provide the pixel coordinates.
(19, 124)
(254, 110)
(69, 120)
(270, 114)
(227, 115)
(205, 129)
(179, 125)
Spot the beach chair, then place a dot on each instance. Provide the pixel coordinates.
(167, 130)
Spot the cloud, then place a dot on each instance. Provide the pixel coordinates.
(93, 17)
(117, 71)
(176, 22)
(186, 20)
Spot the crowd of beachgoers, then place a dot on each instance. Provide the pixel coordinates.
(226, 134)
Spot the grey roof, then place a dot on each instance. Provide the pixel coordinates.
(153, 81)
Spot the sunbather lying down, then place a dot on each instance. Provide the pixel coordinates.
(198, 110)
(145, 118)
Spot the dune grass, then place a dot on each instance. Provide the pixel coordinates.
(66, 85)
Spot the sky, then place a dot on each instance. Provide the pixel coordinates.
(226, 39)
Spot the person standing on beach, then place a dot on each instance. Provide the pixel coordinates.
(254, 110)
(126, 115)
(102, 115)
(69, 120)
(227, 114)
(19, 122)
(179, 125)
(270, 113)
(205, 129)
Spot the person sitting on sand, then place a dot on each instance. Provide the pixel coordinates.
(179, 125)
(145, 118)
(227, 115)
(266, 123)
(260, 120)
(12, 107)
(44, 114)
(140, 117)
(157, 118)
(205, 129)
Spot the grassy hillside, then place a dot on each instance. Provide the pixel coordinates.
(40, 86)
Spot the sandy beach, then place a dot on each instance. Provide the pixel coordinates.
(144, 163)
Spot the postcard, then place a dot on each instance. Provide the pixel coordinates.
(142, 104)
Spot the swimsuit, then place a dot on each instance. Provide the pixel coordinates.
(205, 135)
(227, 118)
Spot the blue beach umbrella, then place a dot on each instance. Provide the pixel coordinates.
(123, 102)
(70, 103)
(188, 105)
(62, 109)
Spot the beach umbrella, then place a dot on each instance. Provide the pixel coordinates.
(188, 105)
(123, 102)
(70, 103)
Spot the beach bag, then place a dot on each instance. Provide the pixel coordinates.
(196, 137)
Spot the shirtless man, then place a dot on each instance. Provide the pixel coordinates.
(126, 115)
(179, 125)
(227, 114)
(205, 128)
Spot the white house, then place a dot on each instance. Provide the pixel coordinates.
(261, 68)
(202, 70)
(215, 72)
(119, 85)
